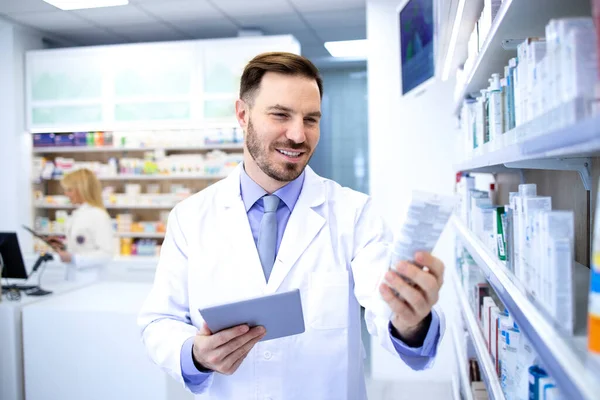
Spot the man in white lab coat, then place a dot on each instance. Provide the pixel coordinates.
(273, 225)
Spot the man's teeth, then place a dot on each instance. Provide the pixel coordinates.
(289, 153)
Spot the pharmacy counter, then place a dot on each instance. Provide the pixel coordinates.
(11, 348)
(125, 269)
(86, 345)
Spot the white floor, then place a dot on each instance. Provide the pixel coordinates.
(379, 390)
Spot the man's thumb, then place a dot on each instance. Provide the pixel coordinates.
(204, 331)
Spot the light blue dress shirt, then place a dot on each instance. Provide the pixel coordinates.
(252, 195)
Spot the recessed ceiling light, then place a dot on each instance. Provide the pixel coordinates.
(348, 48)
(81, 4)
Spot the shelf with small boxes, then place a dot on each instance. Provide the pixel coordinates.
(502, 26)
(486, 365)
(536, 107)
(563, 355)
(144, 174)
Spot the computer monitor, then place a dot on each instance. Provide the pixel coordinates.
(417, 43)
(12, 259)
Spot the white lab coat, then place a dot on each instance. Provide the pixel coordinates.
(334, 250)
(90, 239)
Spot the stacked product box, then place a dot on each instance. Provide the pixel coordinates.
(550, 84)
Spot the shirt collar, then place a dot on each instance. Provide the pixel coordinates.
(251, 192)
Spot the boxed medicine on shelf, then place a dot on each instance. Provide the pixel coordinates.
(514, 361)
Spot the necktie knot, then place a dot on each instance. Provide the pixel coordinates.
(270, 203)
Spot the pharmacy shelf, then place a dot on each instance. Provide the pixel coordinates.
(134, 177)
(579, 140)
(516, 20)
(565, 358)
(135, 235)
(157, 177)
(465, 383)
(488, 369)
(136, 260)
(108, 207)
(141, 235)
(115, 149)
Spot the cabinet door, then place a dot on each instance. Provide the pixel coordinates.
(64, 88)
(223, 64)
(153, 82)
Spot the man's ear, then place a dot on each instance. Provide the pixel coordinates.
(242, 113)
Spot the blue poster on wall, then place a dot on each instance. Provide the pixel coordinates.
(416, 43)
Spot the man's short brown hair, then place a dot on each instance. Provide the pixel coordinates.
(279, 62)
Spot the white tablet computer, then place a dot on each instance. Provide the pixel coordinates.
(280, 314)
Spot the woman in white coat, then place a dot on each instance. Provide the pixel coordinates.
(89, 236)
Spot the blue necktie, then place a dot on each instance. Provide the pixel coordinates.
(267, 234)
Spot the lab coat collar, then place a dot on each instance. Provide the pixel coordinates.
(306, 221)
(313, 184)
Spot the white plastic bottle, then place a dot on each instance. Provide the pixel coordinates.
(496, 112)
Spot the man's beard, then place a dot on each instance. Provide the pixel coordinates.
(289, 171)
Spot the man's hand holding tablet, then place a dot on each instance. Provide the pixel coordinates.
(224, 351)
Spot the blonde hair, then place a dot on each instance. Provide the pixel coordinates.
(86, 184)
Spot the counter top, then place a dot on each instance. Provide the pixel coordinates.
(117, 297)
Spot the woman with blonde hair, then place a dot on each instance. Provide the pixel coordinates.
(89, 236)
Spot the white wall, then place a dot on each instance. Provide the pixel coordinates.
(410, 147)
(15, 143)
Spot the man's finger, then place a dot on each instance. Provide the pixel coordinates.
(220, 338)
(434, 264)
(414, 297)
(239, 354)
(424, 280)
(239, 342)
(398, 306)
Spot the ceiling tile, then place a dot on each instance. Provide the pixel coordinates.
(181, 10)
(50, 21)
(283, 23)
(336, 18)
(90, 36)
(116, 16)
(208, 29)
(21, 6)
(306, 37)
(243, 8)
(349, 33)
(327, 5)
(314, 51)
(149, 32)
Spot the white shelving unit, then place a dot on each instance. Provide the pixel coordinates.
(486, 365)
(116, 149)
(463, 367)
(578, 141)
(108, 207)
(516, 20)
(565, 358)
(136, 235)
(141, 235)
(157, 177)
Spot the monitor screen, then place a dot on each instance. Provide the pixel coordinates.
(12, 259)
(417, 58)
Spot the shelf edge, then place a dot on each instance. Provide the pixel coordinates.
(556, 355)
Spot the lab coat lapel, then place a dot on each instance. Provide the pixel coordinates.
(238, 243)
(304, 224)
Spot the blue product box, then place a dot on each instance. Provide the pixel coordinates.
(535, 374)
(43, 140)
(80, 139)
(64, 139)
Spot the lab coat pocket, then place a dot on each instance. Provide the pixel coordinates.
(328, 302)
